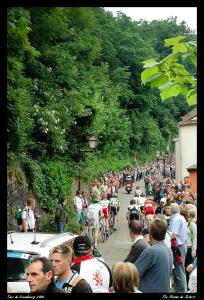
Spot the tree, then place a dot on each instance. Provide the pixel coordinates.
(176, 73)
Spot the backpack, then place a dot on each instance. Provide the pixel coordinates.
(18, 215)
(68, 286)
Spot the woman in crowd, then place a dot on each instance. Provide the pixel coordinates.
(125, 278)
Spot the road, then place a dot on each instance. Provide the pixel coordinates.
(117, 246)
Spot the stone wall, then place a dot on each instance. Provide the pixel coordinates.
(17, 195)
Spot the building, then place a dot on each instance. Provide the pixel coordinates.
(186, 145)
(193, 177)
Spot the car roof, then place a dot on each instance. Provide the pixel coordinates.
(22, 241)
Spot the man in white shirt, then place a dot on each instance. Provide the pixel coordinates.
(78, 205)
(28, 218)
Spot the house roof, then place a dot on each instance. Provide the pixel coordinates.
(189, 118)
(192, 167)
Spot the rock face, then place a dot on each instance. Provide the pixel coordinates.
(17, 193)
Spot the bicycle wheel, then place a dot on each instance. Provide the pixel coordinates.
(103, 232)
(111, 223)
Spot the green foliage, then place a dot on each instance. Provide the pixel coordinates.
(74, 72)
(48, 181)
(170, 75)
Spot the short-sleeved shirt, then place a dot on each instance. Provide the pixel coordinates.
(178, 226)
(28, 215)
(78, 202)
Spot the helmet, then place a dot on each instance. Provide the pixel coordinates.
(133, 201)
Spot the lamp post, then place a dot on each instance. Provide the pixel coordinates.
(92, 144)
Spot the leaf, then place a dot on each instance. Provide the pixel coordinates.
(161, 80)
(166, 85)
(184, 56)
(172, 91)
(180, 47)
(194, 59)
(192, 97)
(184, 91)
(173, 41)
(192, 100)
(147, 74)
(150, 63)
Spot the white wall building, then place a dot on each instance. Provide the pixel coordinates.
(186, 145)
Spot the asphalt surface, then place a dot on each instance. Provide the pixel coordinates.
(117, 246)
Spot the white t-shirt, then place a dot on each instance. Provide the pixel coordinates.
(78, 203)
(96, 274)
(28, 215)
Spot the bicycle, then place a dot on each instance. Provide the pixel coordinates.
(111, 221)
(90, 231)
(103, 230)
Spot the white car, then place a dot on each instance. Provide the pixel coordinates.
(22, 247)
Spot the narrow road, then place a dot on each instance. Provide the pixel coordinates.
(117, 246)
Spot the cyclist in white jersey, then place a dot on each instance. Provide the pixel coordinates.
(93, 214)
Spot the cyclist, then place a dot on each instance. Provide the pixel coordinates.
(106, 209)
(93, 214)
(133, 211)
(115, 207)
(138, 191)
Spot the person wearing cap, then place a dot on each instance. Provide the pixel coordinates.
(139, 243)
(161, 208)
(96, 272)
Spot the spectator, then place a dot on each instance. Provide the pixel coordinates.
(71, 282)
(61, 215)
(78, 205)
(191, 241)
(41, 276)
(161, 208)
(96, 272)
(84, 200)
(178, 228)
(28, 217)
(95, 192)
(192, 285)
(125, 278)
(139, 244)
(155, 263)
(145, 230)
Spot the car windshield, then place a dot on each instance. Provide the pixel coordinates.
(17, 263)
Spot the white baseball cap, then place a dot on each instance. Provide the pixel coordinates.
(163, 200)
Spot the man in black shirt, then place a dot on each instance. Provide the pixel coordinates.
(41, 276)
